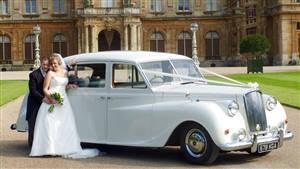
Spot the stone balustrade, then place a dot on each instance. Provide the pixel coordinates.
(108, 11)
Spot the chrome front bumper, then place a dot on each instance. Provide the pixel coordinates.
(256, 139)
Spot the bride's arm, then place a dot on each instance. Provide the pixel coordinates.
(46, 85)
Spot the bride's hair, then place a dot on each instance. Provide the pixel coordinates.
(55, 56)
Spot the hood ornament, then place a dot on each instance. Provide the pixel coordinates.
(257, 127)
(253, 85)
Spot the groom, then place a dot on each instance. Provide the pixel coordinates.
(36, 96)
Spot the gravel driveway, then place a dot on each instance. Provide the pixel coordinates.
(14, 152)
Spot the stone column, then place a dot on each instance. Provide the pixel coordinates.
(139, 38)
(79, 39)
(93, 39)
(86, 39)
(126, 37)
(133, 37)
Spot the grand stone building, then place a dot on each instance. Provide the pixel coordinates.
(79, 26)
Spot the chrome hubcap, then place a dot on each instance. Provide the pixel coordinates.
(195, 143)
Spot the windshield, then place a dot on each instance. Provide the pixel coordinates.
(170, 71)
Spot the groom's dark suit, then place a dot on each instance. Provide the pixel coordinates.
(35, 99)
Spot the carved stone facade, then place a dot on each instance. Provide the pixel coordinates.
(80, 26)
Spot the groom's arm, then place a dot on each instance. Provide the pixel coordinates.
(33, 88)
(71, 65)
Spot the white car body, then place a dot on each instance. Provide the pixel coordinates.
(154, 116)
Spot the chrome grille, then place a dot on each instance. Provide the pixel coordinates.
(255, 111)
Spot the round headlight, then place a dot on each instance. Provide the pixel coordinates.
(242, 135)
(271, 103)
(233, 108)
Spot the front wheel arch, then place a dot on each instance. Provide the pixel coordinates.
(174, 139)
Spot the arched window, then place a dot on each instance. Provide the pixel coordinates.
(212, 46)
(184, 45)
(60, 45)
(157, 42)
(5, 49)
(29, 49)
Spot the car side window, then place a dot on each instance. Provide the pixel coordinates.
(127, 76)
(88, 75)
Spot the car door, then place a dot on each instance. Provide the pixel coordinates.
(129, 107)
(89, 101)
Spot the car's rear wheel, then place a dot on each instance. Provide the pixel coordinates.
(197, 146)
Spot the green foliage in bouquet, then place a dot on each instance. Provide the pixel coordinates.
(59, 98)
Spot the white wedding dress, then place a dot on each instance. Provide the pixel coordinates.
(55, 133)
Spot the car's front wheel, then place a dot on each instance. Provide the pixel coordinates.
(197, 146)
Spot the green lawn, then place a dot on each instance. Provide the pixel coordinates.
(285, 86)
(12, 89)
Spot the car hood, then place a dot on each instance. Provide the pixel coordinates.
(203, 91)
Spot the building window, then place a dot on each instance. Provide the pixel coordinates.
(298, 26)
(211, 5)
(3, 7)
(60, 45)
(59, 6)
(157, 42)
(156, 5)
(212, 46)
(5, 49)
(30, 6)
(29, 49)
(184, 5)
(106, 3)
(184, 44)
(251, 14)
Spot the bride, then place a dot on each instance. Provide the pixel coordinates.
(55, 133)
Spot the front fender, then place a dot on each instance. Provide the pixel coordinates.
(211, 115)
(276, 117)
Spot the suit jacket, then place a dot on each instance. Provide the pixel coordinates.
(36, 94)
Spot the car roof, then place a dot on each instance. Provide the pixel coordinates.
(124, 56)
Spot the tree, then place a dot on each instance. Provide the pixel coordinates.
(255, 45)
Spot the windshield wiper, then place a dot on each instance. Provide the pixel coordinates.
(184, 83)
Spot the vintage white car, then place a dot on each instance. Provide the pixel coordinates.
(150, 99)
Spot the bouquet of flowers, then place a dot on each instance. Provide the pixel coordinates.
(59, 98)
